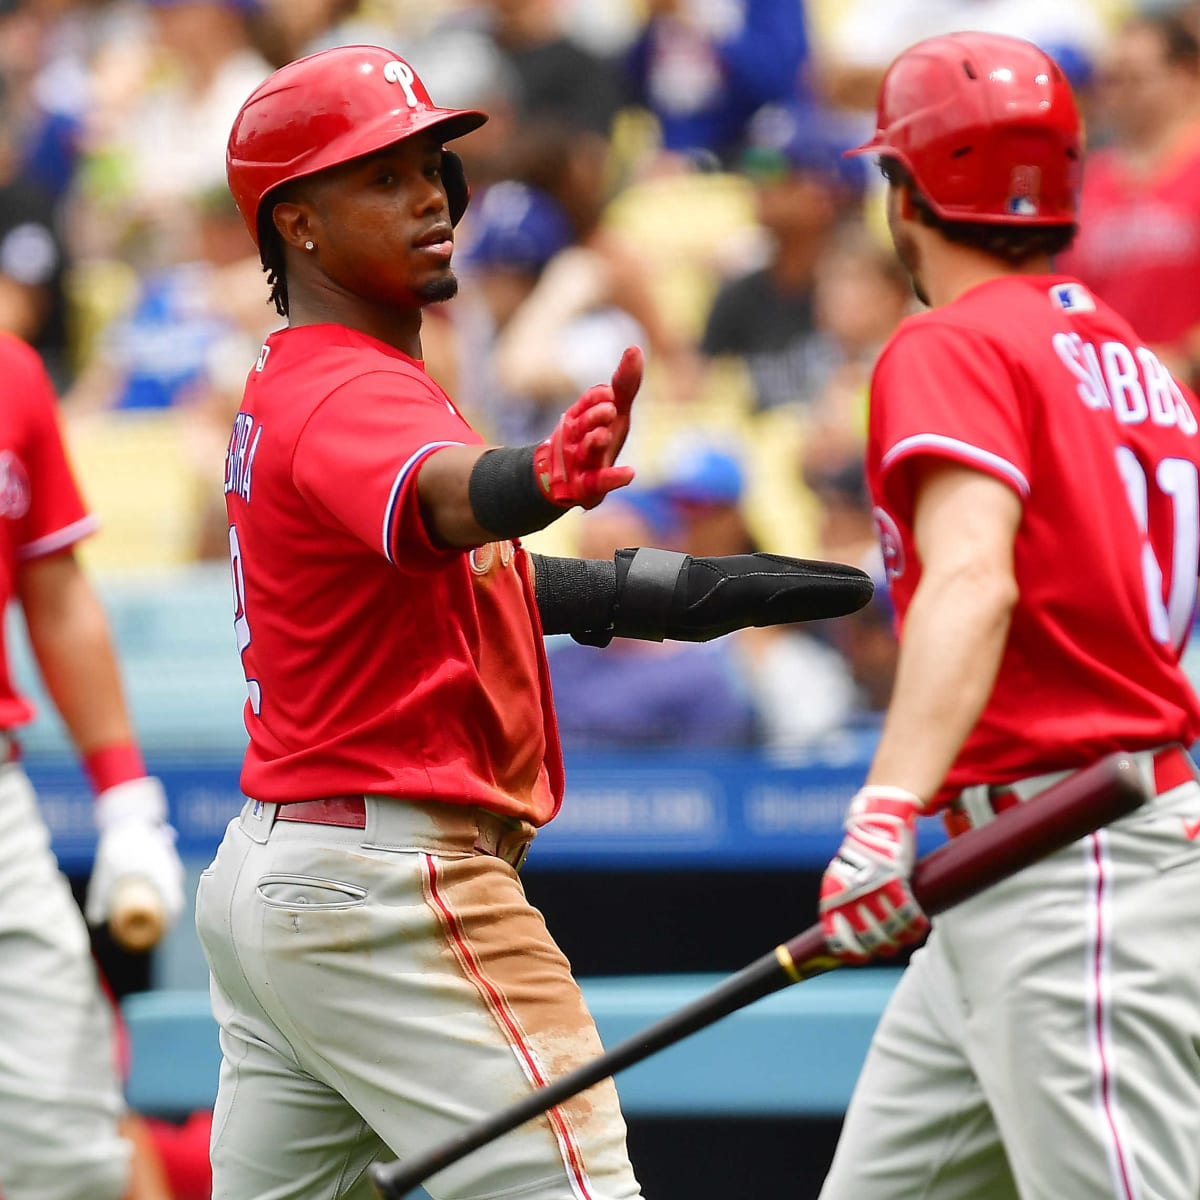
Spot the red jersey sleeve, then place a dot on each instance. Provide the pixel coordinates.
(356, 458)
(57, 516)
(943, 391)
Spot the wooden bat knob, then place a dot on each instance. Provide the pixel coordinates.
(136, 918)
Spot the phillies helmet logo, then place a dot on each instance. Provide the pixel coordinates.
(14, 487)
(398, 71)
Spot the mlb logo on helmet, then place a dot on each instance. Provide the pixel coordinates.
(1024, 191)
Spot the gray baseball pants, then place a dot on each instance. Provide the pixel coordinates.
(60, 1095)
(377, 990)
(1044, 1044)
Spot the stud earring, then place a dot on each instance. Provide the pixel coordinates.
(310, 245)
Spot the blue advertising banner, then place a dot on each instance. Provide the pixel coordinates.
(641, 811)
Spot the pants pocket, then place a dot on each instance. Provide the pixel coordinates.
(306, 892)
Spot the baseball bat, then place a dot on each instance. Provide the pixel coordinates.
(136, 919)
(1078, 805)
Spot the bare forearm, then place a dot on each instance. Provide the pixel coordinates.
(443, 486)
(72, 644)
(954, 638)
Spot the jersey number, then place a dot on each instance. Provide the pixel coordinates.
(1175, 478)
(241, 626)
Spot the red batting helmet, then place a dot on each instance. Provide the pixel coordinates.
(326, 109)
(987, 127)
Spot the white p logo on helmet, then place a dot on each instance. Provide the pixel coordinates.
(400, 72)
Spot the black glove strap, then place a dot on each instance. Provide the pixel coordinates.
(647, 582)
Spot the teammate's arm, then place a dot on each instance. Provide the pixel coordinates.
(965, 526)
(955, 630)
(470, 496)
(69, 635)
(71, 642)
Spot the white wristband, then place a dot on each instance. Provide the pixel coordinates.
(141, 800)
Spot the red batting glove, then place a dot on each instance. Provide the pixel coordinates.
(867, 906)
(575, 464)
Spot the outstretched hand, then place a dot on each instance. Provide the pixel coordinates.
(575, 465)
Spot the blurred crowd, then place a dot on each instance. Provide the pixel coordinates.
(666, 172)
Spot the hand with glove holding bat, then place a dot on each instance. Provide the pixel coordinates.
(867, 904)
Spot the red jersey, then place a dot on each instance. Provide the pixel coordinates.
(1035, 382)
(1139, 242)
(376, 661)
(41, 511)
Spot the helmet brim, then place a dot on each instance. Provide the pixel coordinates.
(455, 123)
(399, 126)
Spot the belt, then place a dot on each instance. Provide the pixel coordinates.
(1169, 767)
(348, 811)
(496, 835)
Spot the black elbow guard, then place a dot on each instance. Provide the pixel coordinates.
(662, 594)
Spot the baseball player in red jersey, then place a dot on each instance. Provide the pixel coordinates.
(1034, 471)
(60, 1097)
(379, 977)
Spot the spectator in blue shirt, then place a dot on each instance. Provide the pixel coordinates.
(703, 69)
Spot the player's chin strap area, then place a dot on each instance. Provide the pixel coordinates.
(658, 594)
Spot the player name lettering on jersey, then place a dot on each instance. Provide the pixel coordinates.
(1132, 384)
(239, 458)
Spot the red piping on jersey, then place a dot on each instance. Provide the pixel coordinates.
(495, 1000)
(1099, 1015)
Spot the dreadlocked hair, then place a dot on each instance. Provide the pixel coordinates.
(1014, 244)
(271, 253)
